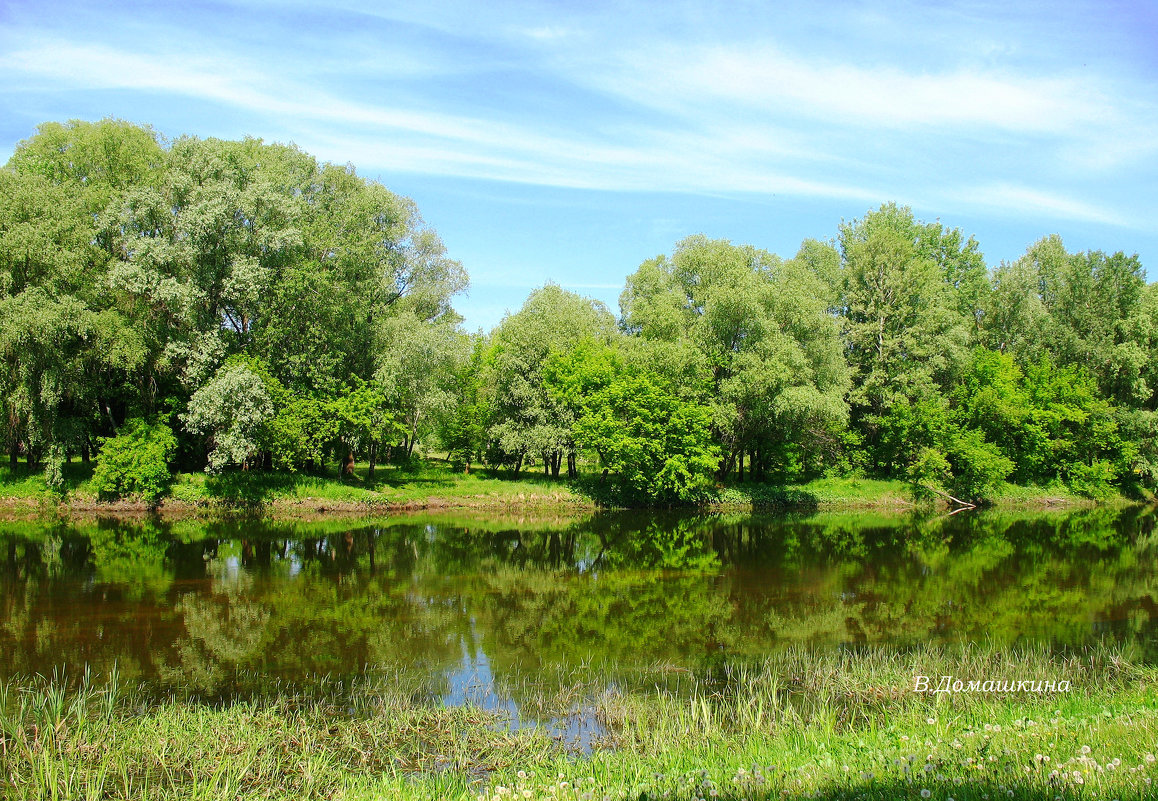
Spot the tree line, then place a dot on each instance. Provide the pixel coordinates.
(227, 305)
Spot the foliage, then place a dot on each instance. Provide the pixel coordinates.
(656, 444)
(757, 340)
(136, 462)
(284, 312)
(526, 420)
(234, 409)
(463, 427)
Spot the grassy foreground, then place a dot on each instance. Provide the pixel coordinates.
(799, 725)
(432, 483)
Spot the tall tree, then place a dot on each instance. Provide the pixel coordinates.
(526, 422)
(775, 373)
(910, 295)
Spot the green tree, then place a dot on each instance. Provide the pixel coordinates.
(42, 352)
(526, 421)
(234, 409)
(768, 350)
(1079, 308)
(416, 368)
(463, 427)
(657, 445)
(912, 297)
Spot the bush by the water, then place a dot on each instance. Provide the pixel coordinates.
(135, 463)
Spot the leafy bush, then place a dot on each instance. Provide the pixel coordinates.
(930, 469)
(657, 446)
(979, 467)
(1093, 480)
(135, 462)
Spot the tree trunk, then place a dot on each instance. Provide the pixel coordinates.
(725, 468)
(546, 465)
(572, 468)
(373, 454)
(556, 461)
(518, 465)
(14, 457)
(741, 469)
(109, 414)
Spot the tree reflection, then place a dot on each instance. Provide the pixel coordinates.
(229, 606)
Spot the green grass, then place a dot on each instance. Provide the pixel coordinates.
(422, 483)
(433, 483)
(836, 725)
(1054, 495)
(849, 492)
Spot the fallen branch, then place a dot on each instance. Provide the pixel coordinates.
(943, 494)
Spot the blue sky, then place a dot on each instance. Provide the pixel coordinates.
(571, 141)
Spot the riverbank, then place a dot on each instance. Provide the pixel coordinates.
(433, 484)
(830, 725)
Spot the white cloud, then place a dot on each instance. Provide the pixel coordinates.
(546, 33)
(665, 115)
(1022, 199)
(444, 144)
(771, 81)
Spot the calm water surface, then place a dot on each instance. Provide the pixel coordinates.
(469, 610)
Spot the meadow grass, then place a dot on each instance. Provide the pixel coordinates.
(423, 482)
(799, 724)
(850, 492)
(432, 482)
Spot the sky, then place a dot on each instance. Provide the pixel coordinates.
(569, 142)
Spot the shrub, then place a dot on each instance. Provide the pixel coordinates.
(135, 462)
(979, 467)
(1093, 480)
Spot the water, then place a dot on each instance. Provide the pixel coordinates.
(512, 614)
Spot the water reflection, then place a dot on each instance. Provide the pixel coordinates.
(489, 611)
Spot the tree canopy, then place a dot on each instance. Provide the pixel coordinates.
(272, 311)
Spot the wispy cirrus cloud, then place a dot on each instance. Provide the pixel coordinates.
(772, 81)
(1007, 197)
(616, 101)
(420, 140)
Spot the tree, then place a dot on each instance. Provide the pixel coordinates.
(909, 291)
(463, 427)
(1049, 422)
(234, 410)
(367, 421)
(415, 369)
(1088, 308)
(42, 349)
(769, 351)
(526, 422)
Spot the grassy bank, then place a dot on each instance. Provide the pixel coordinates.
(798, 725)
(432, 483)
(424, 484)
